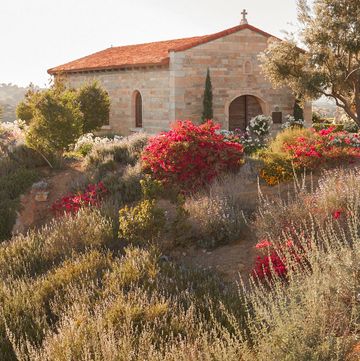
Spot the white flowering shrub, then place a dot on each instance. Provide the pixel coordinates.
(349, 124)
(260, 125)
(291, 122)
(345, 139)
(250, 142)
(12, 134)
(86, 142)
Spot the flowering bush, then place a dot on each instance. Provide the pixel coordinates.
(276, 172)
(87, 141)
(295, 149)
(73, 202)
(349, 124)
(250, 142)
(12, 134)
(291, 122)
(324, 147)
(276, 260)
(260, 125)
(190, 156)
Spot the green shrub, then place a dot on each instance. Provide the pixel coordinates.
(278, 166)
(84, 149)
(285, 136)
(125, 186)
(316, 118)
(25, 109)
(14, 181)
(17, 182)
(57, 122)
(151, 188)
(8, 208)
(321, 126)
(27, 157)
(24, 112)
(142, 223)
(95, 106)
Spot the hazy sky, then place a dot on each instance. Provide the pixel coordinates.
(38, 34)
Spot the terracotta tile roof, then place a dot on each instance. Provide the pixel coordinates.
(142, 54)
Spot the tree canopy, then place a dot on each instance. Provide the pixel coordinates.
(57, 122)
(95, 105)
(93, 100)
(326, 61)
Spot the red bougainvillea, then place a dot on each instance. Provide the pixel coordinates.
(264, 265)
(190, 156)
(275, 261)
(324, 147)
(73, 202)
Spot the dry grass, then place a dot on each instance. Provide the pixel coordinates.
(61, 301)
(216, 214)
(305, 205)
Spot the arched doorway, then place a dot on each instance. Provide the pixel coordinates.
(242, 109)
(138, 110)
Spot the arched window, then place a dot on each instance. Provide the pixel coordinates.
(138, 110)
(248, 67)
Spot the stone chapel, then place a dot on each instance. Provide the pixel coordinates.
(152, 85)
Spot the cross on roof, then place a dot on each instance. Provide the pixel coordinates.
(244, 20)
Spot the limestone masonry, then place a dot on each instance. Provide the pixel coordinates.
(151, 85)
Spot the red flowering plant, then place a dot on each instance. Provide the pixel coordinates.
(71, 203)
(323, 148)
(190, 156)
(276, 260)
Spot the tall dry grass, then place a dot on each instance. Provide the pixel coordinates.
(216, 214)
(100, 305)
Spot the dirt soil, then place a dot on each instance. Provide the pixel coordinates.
(34, 213)
(230, 261)
(238, 257)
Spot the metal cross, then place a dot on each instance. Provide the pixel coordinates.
(244, 13)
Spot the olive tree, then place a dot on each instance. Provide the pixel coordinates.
(326, 60)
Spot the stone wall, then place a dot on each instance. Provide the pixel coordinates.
(176, 91)
(235, 71)
(151, 82)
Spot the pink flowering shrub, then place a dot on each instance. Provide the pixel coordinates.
(190, 156)
(325, 147)
(73, 202)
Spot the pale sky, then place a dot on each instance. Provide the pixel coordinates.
(39, 34)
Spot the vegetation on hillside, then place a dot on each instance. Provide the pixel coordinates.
(101, 280)
(10, 96)
(75, 288)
